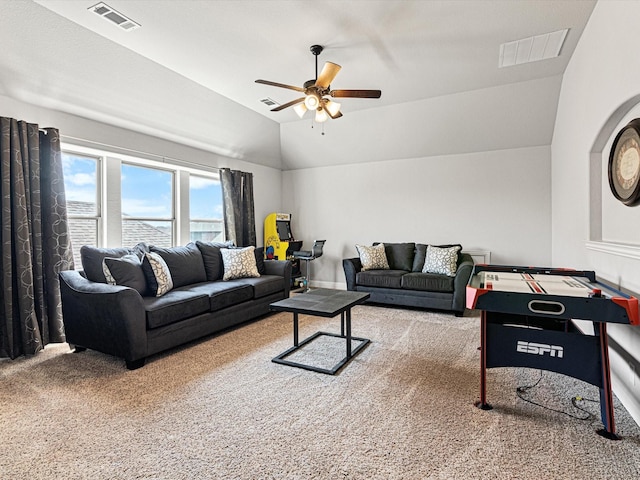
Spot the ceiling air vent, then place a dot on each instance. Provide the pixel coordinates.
(108, 13)
(532, 49)
(269, 102)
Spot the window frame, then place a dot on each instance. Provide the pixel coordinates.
(97, 216)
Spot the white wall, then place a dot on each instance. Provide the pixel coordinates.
(483, 120)
(497, 201)
(74, 129)
(599, 89)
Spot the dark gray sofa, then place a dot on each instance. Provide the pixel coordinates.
(130, 323)
(404, 283)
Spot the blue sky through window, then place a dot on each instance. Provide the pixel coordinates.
(80, 178)
(146, 192)
(205, 200)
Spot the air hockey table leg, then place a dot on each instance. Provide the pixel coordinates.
(482, 403)
(606, 397)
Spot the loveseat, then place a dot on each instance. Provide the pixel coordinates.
(135, 302)
(411, 274)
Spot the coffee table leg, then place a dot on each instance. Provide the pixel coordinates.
(342, 323)
(348, 333)
(295, 329)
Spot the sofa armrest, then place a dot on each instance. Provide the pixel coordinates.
(351, 267)
(281, 268)
(107, 318)
(463, 273)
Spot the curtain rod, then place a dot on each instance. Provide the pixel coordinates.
(163, 158)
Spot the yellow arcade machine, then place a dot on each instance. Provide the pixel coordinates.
(279, 243)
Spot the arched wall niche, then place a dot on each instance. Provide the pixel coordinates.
(614, 228)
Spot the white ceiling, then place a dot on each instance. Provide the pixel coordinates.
(411, 50)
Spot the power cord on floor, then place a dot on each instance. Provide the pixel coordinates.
(521, 390)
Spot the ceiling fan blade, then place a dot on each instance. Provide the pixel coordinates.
(328, 73)
(289, 104)
(337, 115)
(356, 93)
(281, 85)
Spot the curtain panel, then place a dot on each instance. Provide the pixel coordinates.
(34, 237)
(238, 208)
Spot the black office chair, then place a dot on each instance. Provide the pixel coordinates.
(307, 256)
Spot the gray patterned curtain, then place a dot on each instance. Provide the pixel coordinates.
(34, 237)
(237, 203)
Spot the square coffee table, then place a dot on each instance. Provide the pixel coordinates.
(322, 302)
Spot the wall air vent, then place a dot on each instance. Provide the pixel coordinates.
(108, 13)
(269, 102)
(532, 49)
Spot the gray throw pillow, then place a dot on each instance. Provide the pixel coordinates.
(126, 271)
(185, 264)
(92, 257)
(212, 258)
(400, 255)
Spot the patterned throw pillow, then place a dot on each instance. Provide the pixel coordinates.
(157, 273)
(441, 260)
(373, 258)
(239, 263)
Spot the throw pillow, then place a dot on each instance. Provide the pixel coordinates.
(373, 258)
(212, 258)
(92, 257)
(400, 255)
(441, 260)
(157, 274)
(126, 271)
(259, 252)
(239, 263)
(185, 264)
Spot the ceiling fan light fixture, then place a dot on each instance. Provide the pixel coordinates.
(312, 101)
(300, 109)
(321, 115)
(333, 107)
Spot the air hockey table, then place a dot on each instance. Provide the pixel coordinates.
(526, 322)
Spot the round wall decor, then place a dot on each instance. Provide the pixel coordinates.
(624, 164)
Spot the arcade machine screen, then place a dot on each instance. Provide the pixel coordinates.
(284, 231)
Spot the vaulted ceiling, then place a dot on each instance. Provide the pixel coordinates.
(195, 62)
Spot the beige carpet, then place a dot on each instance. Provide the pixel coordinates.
(219, 408)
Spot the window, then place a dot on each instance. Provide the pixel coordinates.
(205, 209)
(81, 185)
(147, 205)
(116, 200)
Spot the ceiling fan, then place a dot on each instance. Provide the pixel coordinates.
(317, 92)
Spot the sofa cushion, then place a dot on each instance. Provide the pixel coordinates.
(400, 255)
(264, 285)
(441, 260)
(373, 258)
(239, 263)
(428, 282)
(174, 306)
(212, 258)
(185, 264)
(223, 294)
(92, 257)
(421, 253)
(125, 271)
(380, 278)
(157, 274)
